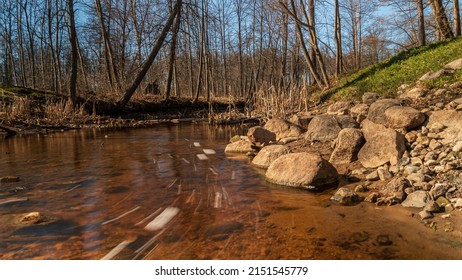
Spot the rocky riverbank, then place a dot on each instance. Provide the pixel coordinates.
(406, 150)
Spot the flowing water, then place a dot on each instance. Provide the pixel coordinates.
(170, 192)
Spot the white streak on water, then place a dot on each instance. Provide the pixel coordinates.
(162, 220)
(114, 252)
(121, 216)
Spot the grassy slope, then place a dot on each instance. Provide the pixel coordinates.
(404, 68)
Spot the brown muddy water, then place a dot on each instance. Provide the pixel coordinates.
(146, 194)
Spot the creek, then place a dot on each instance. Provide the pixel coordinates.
(170, 192)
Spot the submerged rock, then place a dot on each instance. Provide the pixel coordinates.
(9, 179)
(345, 196)
(302, 170)
(241, 146)
(33, 218)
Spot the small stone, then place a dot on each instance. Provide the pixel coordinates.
(33, 218)
(434, 144)
(416, 199)
(457, 203)
(432, 207)
(411, 137)
(425, 215)
(442, 201)
(457, 147)
(403, 161)
(9, 179)
(430, 156)
(345, 196)
(373, 176)
(424, 130)
(431, 162)
(361, 188)
(410, 169)
(416, 161)
(384, 174)
(448, 227)
(446, 216)
(448, 208)
(360, 171)
(372, 198)
(415, 178)
(384, 240)
(438, 190)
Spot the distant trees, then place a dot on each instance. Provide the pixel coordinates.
(198, 49)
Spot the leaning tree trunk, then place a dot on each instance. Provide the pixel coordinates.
(441, 19)
(155, 50)
(176, 28)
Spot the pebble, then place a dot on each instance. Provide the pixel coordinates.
(457, 147)
(373, 176)
(384, 240)
(425, 215)
(9, 179)
(384, 174)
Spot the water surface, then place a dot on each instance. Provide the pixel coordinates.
(99, 190)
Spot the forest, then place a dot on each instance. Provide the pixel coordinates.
(257, 52)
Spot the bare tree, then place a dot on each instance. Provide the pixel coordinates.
(74, 53)
(421, 20)
(338, 40)
(441, 19)
(155, 50)
(456, 11)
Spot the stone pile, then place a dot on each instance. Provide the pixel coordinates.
(412, 145)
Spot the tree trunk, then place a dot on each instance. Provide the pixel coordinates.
(111, 69)
(421, 19)
(338, 40)
(456, 11)
(298, 27)
(147, 64)
(74, 54)
(175, 28)
(441, 19)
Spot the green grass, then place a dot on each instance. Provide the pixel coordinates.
(405, 68)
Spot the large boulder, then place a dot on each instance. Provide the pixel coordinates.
(377, 110)
(454, 65)
(283, 129)
(403, 117)
(370, 97)
(359, 112)
(302, 170)
(327, 127)
(340, 108)
(258, 134)
(414, 93)
(269, 154)
(383, 145)
(347, 146)
(241, 146)
(452, 120)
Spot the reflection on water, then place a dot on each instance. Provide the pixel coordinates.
(100, 190)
